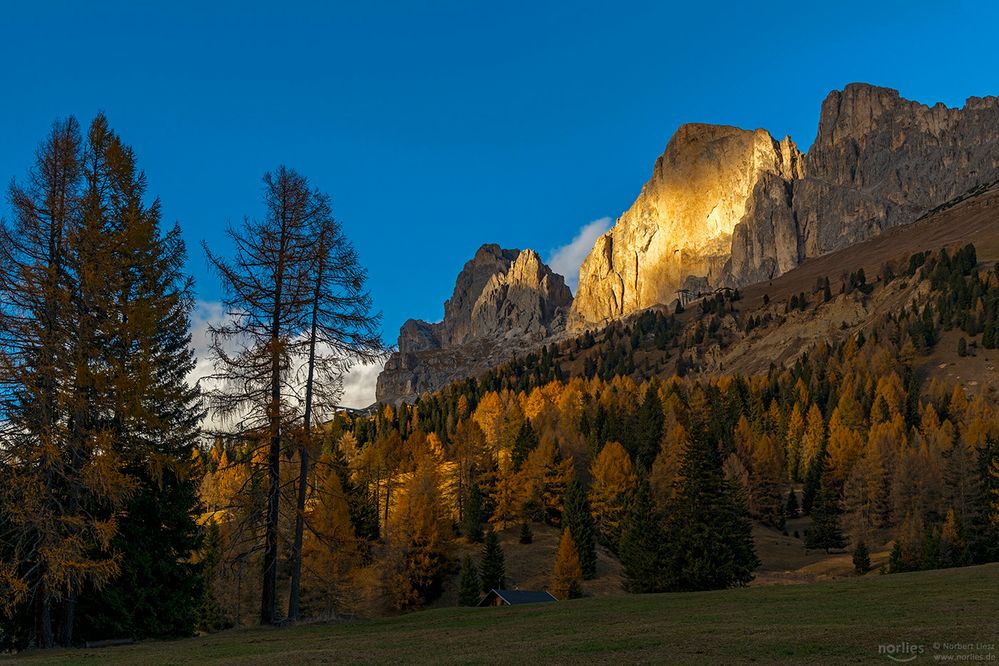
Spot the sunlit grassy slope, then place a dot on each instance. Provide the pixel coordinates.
(835, 622)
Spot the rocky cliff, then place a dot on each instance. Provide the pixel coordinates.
(724, 207)
(727, 207)
(680, 227)
(503, 301)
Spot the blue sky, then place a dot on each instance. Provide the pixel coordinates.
(439, 126)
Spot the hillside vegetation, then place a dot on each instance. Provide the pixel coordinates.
(840, 418)
(698, 480)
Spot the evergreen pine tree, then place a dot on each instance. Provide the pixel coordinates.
(577, 517)
(813, 479)
(825, 532)
(791, 507)
(861, 559)
(526, 535)
(153, 409)
(896, 563)
(642, 543)
(649, 428)
(471, 523)
(983, 525)
(468, 590)
(932, 555)
(209, 614)
(492, 568)
(953, 550)
(525, 442)
(708, 543)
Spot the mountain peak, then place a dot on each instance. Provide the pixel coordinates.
(501, 296)
(727, 206)
(682, 222)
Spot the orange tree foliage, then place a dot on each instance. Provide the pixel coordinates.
(567, 574)
(330, 549)
(894, 456)
(614, 480)
(417, 537)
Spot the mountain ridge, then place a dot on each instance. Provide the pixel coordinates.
(503, 299)
(878, 161)
(725, 207)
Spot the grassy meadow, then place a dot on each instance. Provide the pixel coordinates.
(834, 622)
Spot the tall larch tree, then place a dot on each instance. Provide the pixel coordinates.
(767, 483)
(267, 293)
(36, 329)
(614, 480)
(795, 439)
(342, 330)
(330, 546)
(418, 534)
(103, 423)
(153, 413)
(663, 477)
(472, 459)
(813, 439)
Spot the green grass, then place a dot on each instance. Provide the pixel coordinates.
(832, 622)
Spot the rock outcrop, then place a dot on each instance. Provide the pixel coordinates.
(681, 224)
(503, 301)
(724, 207)
(728, 207)
(878, 161)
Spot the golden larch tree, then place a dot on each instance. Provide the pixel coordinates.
(614, 480)
(567, 574)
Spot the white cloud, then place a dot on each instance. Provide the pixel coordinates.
(567, 259)
(205, 313)
(359, 385)
(358, 382)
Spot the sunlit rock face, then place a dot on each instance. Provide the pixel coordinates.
(878, 161)
(503, 293)
(728, 207)
(724, 207)
(681, 224)
(502, 300)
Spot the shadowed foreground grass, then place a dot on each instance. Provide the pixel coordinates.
(832, 622)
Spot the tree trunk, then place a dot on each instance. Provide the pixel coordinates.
(268, 606)
(268, 595)
(68, 619)
(43, 617)
(388, 495)
(294, 596)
